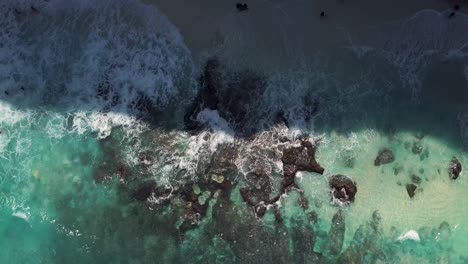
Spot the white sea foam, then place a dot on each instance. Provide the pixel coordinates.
(97, 61)
(410, 235)
(223, 133)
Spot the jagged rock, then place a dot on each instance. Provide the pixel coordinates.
(385, 156)
(411, 189)
(343, 189)
(260, 210)
(303, 157)
(455, 168)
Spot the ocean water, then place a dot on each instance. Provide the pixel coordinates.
(98, 163)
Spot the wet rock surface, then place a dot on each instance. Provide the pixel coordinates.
(455, 168)
(343, 189)
(385, 156)
(300, 158)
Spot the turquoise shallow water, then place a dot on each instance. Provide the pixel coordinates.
(98, 165)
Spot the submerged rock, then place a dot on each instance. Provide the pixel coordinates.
(385, 156)
(336, 234)
(411, 189)
(455, 168)
(417, 148)
(415, 179)
(343, 189)
(144, 191)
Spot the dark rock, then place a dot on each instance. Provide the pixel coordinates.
(455, 168)
(385, 156)
(303, 157)
(257, 190)
(278, 217)
(417, 148)
(123, 171)
(411, 189)
(322, 14)
(415, 179)
(303, 202)
(242, 7)
(144, 191)
(456, 7)
(260, 210)
(452, 14)
(343, 188)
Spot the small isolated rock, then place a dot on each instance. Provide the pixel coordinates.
(415, 179)
(343, 189)
(417, 148)
(411, 189)
(385, 156)
(455, 168)
(242, 7)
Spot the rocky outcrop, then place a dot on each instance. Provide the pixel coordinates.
(258, 191)
(385, 156)
(455, 168)
(343, 189)
(300, 158)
